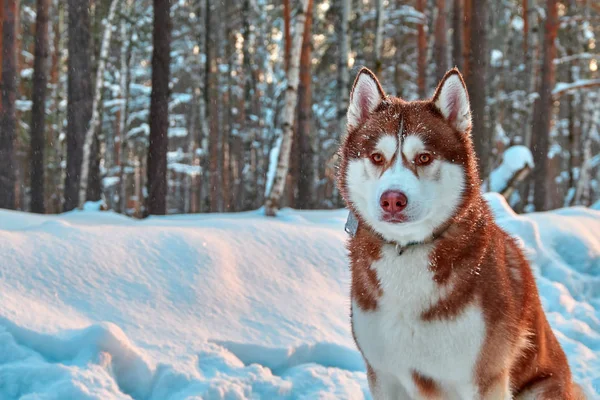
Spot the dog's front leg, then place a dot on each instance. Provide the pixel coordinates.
(498, 389)
(384, 386)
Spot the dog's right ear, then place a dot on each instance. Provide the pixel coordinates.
(365, 97)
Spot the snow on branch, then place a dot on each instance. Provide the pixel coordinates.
(517, 163)
(563, 88)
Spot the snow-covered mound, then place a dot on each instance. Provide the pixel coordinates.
(94, 305)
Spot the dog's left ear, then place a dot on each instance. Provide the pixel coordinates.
(452, 99)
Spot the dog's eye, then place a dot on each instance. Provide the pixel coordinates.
(377, 158)
(424, 159)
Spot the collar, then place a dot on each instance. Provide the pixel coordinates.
(352, 226)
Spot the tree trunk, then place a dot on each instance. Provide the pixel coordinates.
(306, 172)
(542, 115)
(210, 96)
(440, 47)
(291, 97)
(287, 36)
(228, 126)
(1, 38)
(38, 110)
(53, 191)
(525, 6)
(159, 110)
(97, 104)
(457, 34)
(79, 107)
(249, 174)
(475, 78)
(343, 85)
(421, 52)
(124, 85)
(378, 36)
(7, 105)
(467, 16)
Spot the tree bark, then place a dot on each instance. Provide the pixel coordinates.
(287, 36)
(542, 115)
(210, 96)
(124, 85)
(291, 98)
(525, 6)
(457, 34)
(421, 52)
(247, 154)
(475, 78)
(79, 107)
(7, 105)
(95, 121)
(1, 38)
(343, 76)
(306, 173)
(440, 47)
(159, 109)
(378, 36)
(467, 16)
(38, 110)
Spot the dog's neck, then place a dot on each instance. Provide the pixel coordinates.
(352, 225)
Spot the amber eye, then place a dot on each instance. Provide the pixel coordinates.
(424, 159)
(377, 158)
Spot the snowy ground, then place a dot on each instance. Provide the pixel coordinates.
(232, 306)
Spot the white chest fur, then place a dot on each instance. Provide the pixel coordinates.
(396, 341)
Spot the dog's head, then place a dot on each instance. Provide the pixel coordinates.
(407, 167)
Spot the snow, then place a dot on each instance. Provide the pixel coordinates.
(562, 87)
(177, 132)
(180, 168)
(27, 73)
(23, 105)
(514, 159)
(496, 57)
(517, 23)
(110, 181)
(94, 305)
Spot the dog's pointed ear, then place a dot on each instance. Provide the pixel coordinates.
(365, 97)
(452, 100)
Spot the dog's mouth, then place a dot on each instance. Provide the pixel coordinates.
(394, 218)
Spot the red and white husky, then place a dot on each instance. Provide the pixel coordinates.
(444, 303)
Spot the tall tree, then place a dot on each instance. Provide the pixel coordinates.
(79, 106)
(287, 35)
(421, 52)
(457, 34)
(291, 99)
(343, 89)
(475, 78)
(38, 110)
(7, 104)
(440, 46)
(466, 31)
(306, 170)
(212, 110)
(96, 102)
(542, 114)
(378, 36)
(159, 109)
(1, 37)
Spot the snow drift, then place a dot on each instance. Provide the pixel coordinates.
(230, 306)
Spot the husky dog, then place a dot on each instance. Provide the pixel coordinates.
(444, 303)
